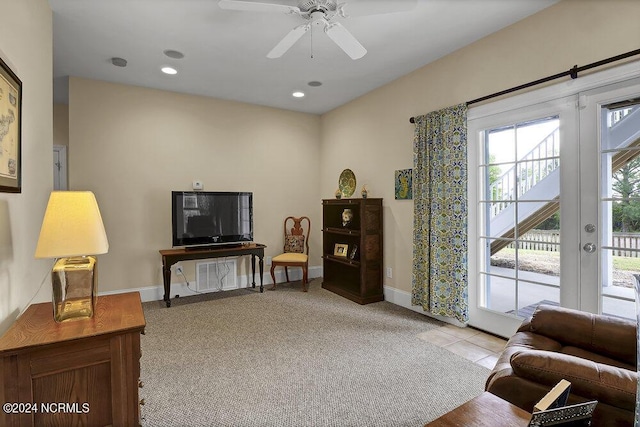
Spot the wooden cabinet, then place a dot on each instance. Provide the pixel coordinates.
(77, 373)
(355, 272)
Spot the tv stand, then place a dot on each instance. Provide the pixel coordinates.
(214, 247)
(172, 256)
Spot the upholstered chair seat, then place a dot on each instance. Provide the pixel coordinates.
(290, 257)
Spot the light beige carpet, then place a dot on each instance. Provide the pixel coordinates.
(289, 358)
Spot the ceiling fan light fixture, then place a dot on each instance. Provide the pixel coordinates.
(298, 94)
(320, 13)
(169, 70)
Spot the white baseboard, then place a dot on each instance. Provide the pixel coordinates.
(403, 299)
(156, 293)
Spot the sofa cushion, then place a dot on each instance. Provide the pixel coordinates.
(606, 335)
(604, 383)
(589, 355)
(530, 340)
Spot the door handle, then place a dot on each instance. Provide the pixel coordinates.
(589, 248)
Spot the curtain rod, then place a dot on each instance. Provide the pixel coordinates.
(573, 72)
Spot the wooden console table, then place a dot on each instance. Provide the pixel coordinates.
(83, 372)
(172, 256)
(486, 410)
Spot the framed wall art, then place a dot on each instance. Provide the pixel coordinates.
(10, 130)
(404, 184)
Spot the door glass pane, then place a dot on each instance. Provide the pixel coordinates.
(531, 294)
(502, 262)
(520, 170)
(620, 209)
(500, 294)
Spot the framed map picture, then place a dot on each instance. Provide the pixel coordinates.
(404, 184)
(10, 130)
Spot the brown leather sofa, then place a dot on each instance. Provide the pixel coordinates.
(596, 353)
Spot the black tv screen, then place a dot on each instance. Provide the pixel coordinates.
(203, 218)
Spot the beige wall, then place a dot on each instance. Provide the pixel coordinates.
(131, 146)
(26, 45)
(60, 124)
(372, 135)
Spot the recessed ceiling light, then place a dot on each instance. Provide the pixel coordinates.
(169, 70)
(119, 62)
(315, 83)
(174, 54)
(298, 94)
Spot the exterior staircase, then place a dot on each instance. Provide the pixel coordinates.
(541, 171)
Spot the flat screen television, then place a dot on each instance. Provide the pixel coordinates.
(204, 218)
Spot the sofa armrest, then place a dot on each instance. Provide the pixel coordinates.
(604, 383)
(607, 335)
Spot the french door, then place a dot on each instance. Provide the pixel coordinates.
(610, 199)
(554, 200)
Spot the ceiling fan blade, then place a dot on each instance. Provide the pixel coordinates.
(256, 7)
(288, 41)
(345, 40)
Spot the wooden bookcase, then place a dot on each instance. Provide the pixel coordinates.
(356, 276)
(90, 367)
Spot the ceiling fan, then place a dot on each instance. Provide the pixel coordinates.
(321, 13)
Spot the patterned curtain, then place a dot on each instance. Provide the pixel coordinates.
(439, 281)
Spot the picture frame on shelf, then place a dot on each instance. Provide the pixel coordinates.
(340, 250)
(353, 252)
(11, 136)
(578, 415)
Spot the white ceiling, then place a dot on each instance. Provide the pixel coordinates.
(225, 51)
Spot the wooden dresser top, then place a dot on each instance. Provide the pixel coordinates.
(35, 327)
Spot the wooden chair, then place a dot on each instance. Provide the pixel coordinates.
(296, 249)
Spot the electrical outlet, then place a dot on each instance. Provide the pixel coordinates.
(179, 270)
(268, 260)
(389, 272)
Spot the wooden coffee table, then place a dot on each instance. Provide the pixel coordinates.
(486, 410)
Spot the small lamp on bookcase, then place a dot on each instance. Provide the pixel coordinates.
(73, 233)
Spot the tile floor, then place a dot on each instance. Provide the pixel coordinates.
(472, 344)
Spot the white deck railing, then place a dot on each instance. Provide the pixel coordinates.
(532, 168)
(624, 244)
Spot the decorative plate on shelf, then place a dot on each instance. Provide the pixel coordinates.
(347, 183)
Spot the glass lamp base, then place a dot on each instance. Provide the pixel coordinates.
(74, 282)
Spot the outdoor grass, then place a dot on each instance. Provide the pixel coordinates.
(619, 262)
(626, 263)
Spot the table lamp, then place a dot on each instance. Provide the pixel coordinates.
(72, 232)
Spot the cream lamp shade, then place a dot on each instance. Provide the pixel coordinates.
(72, 226)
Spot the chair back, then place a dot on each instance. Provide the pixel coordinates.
(296, 234)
